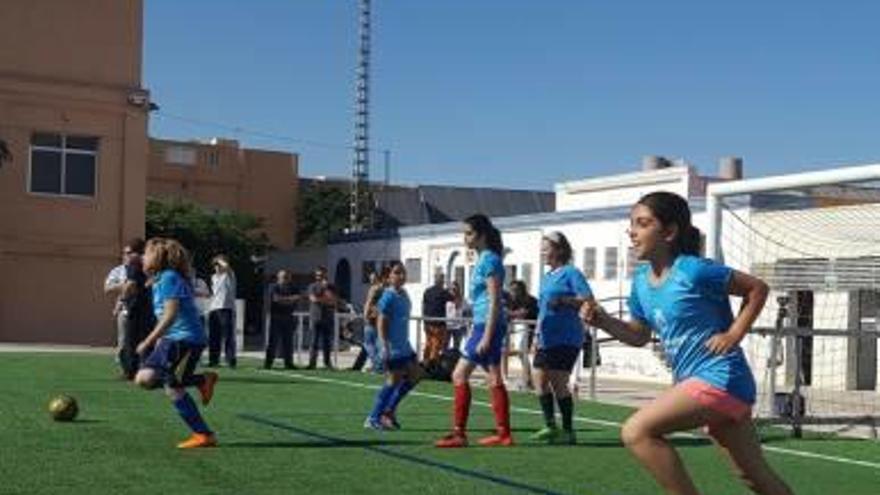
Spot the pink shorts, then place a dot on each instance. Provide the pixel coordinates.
(716, 399)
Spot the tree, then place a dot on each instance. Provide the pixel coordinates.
(322, 212)
(206, 233)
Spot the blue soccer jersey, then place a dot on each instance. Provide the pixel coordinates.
(187, 326)
(686, 309)
(395, 306)
(560, 325)
(488, 265)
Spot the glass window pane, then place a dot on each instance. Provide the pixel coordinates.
(45, 139)
(46, 172)
(79, 175)
(413, 270)
(610, 263)
(82, 143)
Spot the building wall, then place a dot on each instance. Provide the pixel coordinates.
(222, 175)
(68, 68)
(626, 189)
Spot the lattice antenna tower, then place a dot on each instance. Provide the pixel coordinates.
(360, 204)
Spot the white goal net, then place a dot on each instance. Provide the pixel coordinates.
(815, 239)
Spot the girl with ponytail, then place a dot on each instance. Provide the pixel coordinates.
(485, 343)
(685, 299)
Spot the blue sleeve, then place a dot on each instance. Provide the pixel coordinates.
(384, 304)
(578, 283)
(711, 277)
(636, 311)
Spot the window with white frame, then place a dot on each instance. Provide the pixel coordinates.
(631, 262)
(610, 263)
(413, 270)
(589, 264)
(63, 165)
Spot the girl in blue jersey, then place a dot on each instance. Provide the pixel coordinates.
(177, 339)
(685, 299)
(486, 341)
(560, 336)
(399, 358)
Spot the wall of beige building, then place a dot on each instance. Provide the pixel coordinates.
(220, 174)
(69, 69)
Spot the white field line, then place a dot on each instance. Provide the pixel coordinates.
(602, 422)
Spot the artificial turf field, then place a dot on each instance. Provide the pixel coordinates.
(286, 432)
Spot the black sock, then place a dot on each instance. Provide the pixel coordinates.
(566, 406)
(546, 401)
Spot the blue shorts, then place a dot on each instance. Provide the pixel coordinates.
(175, 361)
(492, 357)
(400, 363)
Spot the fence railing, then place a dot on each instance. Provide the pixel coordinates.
(515, 328)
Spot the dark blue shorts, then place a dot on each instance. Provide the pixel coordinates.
(557, 358)
(400, 363)
(493, 356)
(175, 361)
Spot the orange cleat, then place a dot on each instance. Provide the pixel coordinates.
(206, 389)
(453, 440)
(497, 440)
(198, 441)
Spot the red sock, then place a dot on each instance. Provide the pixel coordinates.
(501, 407)
(462, 407)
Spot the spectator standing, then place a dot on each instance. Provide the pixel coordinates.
(131, 310)
(322, 308)
(523, 306)
(221, 315)
(434, 306)
(284, 296)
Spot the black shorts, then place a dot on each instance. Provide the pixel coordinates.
(559, 358)
(175, 361)
(401, 363)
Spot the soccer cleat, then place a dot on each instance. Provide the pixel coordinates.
(497, 440)
(206, 389)
(374, 424)
(389, 421)
(452, 441)
(564, 437)
(198, 441)
(545, 434)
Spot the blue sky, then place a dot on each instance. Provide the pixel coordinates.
(525, 93)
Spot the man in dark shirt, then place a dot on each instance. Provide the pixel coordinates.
(283, 297)
(434, 306)
(135, 306)
(322, 308)
(523, 306)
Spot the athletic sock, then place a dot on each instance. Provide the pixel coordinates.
(383, 396)
(462, 407)
(501, 407)
(546, 401)
(188, 410)
(566, 406)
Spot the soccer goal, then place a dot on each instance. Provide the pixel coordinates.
(815, 239)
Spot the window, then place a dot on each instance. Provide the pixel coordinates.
(631, 262)
(610, 263)
(590, 263)
(509, 274)
(63, 165)
(180, 155)
(526, 275)
(213, 159)
(413, 270)
(367, 269)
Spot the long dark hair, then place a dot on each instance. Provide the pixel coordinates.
(672, 209)
(483, 227)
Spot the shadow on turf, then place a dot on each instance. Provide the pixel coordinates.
(256, 380)
(318, 444)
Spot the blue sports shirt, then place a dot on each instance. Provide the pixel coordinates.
(488, 265)
(395, 306)
(561, 325)
(187, 326)
(686, 309)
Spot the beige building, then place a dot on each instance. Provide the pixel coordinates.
(222, 175)
(74, 114)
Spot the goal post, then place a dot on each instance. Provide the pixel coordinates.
(814, 237)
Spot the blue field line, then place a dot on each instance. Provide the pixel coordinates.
(423, 461)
